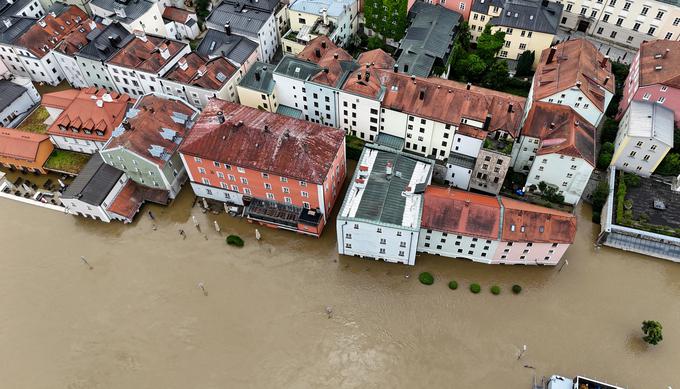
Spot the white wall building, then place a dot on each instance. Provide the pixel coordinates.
(143, 15)
(17, 98)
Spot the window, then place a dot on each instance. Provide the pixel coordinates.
(613, 34)
(644, 11)
(676, 22)
(646, 96)
(636, 26)
(244, 180)
(504, 54)
(619, 21)
(200, 169)
(304, 194)
(605, 18)
(267, 185)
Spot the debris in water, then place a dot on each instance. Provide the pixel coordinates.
(154, 227)
(329, 311)
(202, 287)
(217, 226)
(183, 234)
(257, 234)
(407, 276)
(151, 216)
(85, 262)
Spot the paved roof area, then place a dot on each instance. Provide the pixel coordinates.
(259, 78)
(334, 8)
(428, 38)
(18, 144)
(194, 70)
(530, 15)
(132, 10)
(94, 182)
(651, 120)
(264, 141)
(574, 62)
(643, 197)
(220, 44)
(561, 130)
(17, 28)
(147, 53)
(402, 93)
(461, 212)
(387, 188)
(104, 43)
(90, 110)
(9, 92)
(660, 63)
(155, 128)
(178, 15)
(52, 31)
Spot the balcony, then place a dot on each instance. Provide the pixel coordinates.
(285, 215)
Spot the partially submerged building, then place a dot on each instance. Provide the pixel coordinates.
(24, 150)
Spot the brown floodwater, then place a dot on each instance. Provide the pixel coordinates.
(139, 319)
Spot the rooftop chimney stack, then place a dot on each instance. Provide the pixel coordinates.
(606, 79)
(257, 76)
(323, 44)
(665, 53)
(551, 55)
(603, 64)
(578, 84)
(324, 14)
(317, 52)
(421, 95)
(395, 68)
(367, 76)
(487, 122)
(220, 117)
(227, 28)
(552, 125)
(467, 87)
(335, 55)
(510, 108)
(405, 68)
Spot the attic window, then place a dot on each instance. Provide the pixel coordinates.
(541, 229)
(512, 227)
(531, 17)
(395, 88)
(522, 229)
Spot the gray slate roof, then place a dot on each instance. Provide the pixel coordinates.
(8, 9)
(265, 83)
(19, 26)
(244, 17)
(428, 38)
(528, 15)
(103, 44)
(289, 111)
(94, 183)
(218, 43)
(9, 92)
(391, 141)
(297, 68)
(133, 9)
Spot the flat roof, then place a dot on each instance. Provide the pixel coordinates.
(387, 196)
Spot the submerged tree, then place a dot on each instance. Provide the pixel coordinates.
(653, 332)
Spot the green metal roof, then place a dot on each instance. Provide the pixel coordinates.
(390, 141)
(289, 111)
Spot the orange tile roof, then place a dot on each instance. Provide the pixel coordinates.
(264, 141)
(151, 116)
(317, 49)
(128, 201)
(402, 93)
(570, 134)
(541, 224)
(663, 53)
(145, 52)
(82, 111)
(175, 14)
(40, 40)
(21, 145)
(377, 58)
(192, 69)
(460, 212)
(574, 61)
(364, 81)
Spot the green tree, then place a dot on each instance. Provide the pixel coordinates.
(670, 166)
(605, 157)
(202, 9)
(653, 332)
(488, 44)
(599, 197)
(386, 17)
(376, 42)
(474, 68)
(609, 129)
(496, 75)
(525, 62)
(463, 36)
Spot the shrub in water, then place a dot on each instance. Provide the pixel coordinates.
(496, 290)
(453, 285)
(516, 289)
(235, 240)
(475, 288)
(426, 278)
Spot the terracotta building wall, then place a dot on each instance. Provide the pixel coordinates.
(44, 151)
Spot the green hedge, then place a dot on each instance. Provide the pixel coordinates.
(235, 240)
(426, 278)
(453, 285)
(496, 290)
(475, 288)
(516, 289)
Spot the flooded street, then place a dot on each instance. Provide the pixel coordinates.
(139, 319)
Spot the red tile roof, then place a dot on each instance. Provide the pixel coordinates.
(83, 111)
(323, 52)
(574, 61)
(77, 39)
(364, 81)
(377, 58)
(317, 49)
(40, 40)
(459, 212)
(570, 134)
(18, 144)
(402, 93)
(192, 69)
(147, 53)
(175, 14)
(144, 128)
(128, 201)
(541, 225)
(263, 141)
(663, 53)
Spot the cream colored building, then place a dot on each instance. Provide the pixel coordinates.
(256, 89)
(528, 24)
(336, 19)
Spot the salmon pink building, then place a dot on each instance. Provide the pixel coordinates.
(654, 76)
(286, 172)
(493, 229)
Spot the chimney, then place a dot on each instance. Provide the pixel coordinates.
(487, 122)
(510, 108)
(405, 68)
(165, 52)
(201, 70)
(551, 55)
(606, 79)
(324, 14)
(335, 55)
(603, 64)
(183, 64)
(545, 3)
(227, 28)
(395, 68)
(367, 76)
(552, 125)
(317, 52)
(577, 123)
(467, 87)
(421, 94)
(665, 53)
(359, 76)
(257, 76)
(388, 168)
(578, 84)
(323, 44)
(92, 25)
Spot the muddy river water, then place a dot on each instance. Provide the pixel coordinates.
(139, 319)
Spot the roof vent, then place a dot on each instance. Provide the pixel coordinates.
(220, 116)
(658, 67)
(552, 125)
(665, 53)
(467, 87)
